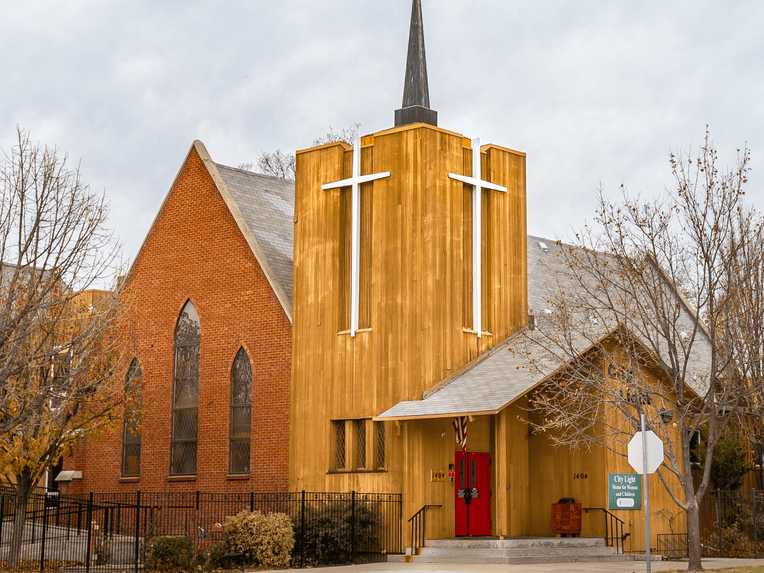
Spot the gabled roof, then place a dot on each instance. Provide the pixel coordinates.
(263, 208)
(266, 205)
(513, 368)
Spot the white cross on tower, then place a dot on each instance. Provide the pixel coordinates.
(478, 185)
(355, 208)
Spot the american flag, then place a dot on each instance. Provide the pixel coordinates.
(460, 429)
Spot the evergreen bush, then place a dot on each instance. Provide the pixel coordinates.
(327, 536)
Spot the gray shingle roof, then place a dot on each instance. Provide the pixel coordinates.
(511, 369)
(267, 208)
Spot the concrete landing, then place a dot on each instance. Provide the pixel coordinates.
(522, 550)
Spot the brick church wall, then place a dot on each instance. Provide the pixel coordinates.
(195, 251)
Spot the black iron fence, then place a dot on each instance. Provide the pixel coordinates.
(112, 531)
(731, 523)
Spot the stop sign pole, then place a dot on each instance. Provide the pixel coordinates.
(648, 557)
(645, 453)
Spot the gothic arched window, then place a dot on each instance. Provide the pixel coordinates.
(131, 433)
(240, 424)
(185, 392)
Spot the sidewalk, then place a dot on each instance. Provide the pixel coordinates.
(601, 567)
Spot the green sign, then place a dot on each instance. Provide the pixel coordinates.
(624, 491)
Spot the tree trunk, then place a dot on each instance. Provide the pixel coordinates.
(695, 551)
(23, 489)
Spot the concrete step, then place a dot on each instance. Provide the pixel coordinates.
(521, 560)
(520, 542)
(522, 550)
(528, 559)
(575, 551)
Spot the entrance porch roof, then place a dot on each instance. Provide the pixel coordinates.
(487, 386)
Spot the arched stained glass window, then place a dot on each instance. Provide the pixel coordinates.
(131, 433)
(185, 392)
(240, 425)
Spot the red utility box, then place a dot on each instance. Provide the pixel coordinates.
(566, 517)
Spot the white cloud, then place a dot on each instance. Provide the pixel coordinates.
(593, 92)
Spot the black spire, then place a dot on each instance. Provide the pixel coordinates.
(416, 92)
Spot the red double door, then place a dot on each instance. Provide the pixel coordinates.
(473, 494)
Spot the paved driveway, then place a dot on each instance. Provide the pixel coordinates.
(607, 567)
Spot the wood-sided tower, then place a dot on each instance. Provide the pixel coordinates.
(413, 267)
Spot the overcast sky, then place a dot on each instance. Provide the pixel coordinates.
(595, 92)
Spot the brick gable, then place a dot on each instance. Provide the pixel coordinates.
(196, 251)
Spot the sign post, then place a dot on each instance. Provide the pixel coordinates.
(645, 456)
(646, 490)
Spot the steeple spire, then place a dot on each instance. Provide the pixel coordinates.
(416, 92)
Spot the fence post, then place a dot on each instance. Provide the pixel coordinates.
(136, 548)
(252, 501)
(89, 515)
(106, 521)
(34, 518)
(2, 515)
(44, 532)
(352, 527)
(302, 528)
(400, 524)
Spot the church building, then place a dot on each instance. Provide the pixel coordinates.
(354, 330)
(413, 275)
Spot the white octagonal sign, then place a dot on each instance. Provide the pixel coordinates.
(654, 452)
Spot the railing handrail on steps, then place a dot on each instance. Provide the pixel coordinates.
(614, 529)
(418, 527)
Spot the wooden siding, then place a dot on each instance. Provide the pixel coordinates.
(665, 515)
(413, 289)
(416, 312)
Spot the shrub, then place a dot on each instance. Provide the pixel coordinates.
(170, 553)
(327, 535)
(216, 557)
(252, 538)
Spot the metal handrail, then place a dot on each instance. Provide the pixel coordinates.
(418, 527)
(614, 529)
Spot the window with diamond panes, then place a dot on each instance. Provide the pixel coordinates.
(131, 433)
(338, 427)
(359, 431)
(185, 392)
(379, 445)
(241, 414)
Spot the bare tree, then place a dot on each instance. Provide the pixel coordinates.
(58, 358)
(283, 165)
(347, 134)
(743, 324)
(276, 164)
(642, 320)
